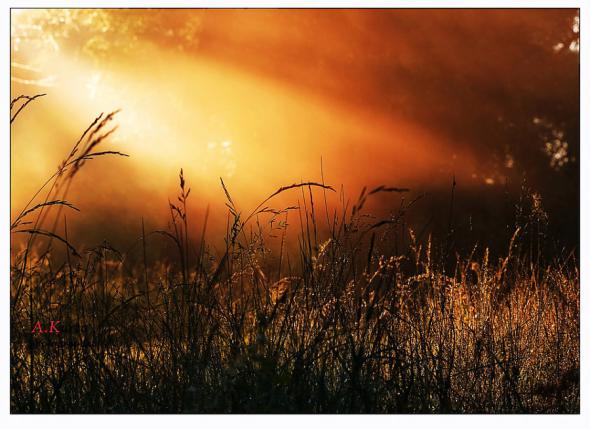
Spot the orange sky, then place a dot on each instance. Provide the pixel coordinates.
(398, 97)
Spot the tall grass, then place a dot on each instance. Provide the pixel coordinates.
(353, 322)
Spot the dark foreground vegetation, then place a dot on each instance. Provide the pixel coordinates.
(364, 318)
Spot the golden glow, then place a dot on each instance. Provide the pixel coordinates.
(241, 95)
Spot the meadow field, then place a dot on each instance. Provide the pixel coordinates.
(356, 314)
